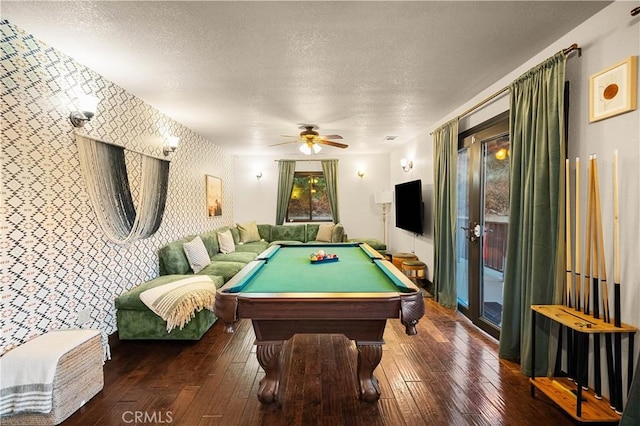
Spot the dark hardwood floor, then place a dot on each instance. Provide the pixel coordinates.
(449, 374)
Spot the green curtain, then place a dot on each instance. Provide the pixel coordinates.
(631, 414)
(287, 169)
(535, 241)
(330, 170)
(445, 171)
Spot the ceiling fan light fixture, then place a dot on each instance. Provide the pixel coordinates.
(310, 148)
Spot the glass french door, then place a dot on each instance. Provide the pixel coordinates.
(483, 221)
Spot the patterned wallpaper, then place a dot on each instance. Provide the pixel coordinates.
(54, 259)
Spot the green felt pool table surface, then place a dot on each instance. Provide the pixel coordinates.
(288, 269)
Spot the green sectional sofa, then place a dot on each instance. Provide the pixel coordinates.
(136, 321)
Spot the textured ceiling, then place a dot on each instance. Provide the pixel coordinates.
(244, 73)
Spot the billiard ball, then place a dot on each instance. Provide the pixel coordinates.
(321, 252)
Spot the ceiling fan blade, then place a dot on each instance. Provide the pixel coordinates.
(331, 143)
(331, 137)
(284, 143)
(289, 136)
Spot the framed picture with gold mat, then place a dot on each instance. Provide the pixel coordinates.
(613, 91)
(214, 195)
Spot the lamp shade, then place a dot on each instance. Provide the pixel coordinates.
(383, 197)
(88, 105)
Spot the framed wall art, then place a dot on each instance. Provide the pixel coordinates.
(613, 91)
(214, 195)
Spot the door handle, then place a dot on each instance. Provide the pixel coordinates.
(473, 231)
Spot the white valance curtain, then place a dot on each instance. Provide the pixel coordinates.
(105, 173)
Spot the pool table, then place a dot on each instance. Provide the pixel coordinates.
(283, 292)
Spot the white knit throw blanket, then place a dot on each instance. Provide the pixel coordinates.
(27, 372)
(178, 302)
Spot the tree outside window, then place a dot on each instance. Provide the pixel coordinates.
(309, 201)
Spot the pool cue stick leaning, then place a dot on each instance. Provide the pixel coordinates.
(597, 371)
(568, 241)
(602, 267)
(587, 278)
(600, 245)
(578, 280)
(594, 231)
(587, 254)
(616, 289)
(568, 284)
(572, 346)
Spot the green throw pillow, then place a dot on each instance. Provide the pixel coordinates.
(248, 232)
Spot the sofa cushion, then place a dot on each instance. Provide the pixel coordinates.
(312, 232)
(225, 240)
(375, 244)
(131, 299)
(197, 254)
(248, 232)
(172, 259)
(145, 325)
(288, 233)
(255, 247)
(337, 234)
(265, 232)
(285, 242)
(210, 240)
(236, 256)
(224, 269)
(325, 232)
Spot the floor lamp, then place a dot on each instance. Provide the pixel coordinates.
(384, 198)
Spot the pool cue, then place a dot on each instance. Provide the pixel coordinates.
(569, 267)
(587, 255)
(616, 289)
(597, 376)
(578, 281)
(600, 245)
(587, 278)
(568, 241)
(603, 282)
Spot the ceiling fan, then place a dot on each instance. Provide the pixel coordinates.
(311, 140)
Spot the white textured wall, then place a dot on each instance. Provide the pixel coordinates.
(54, 259)
(256, 199)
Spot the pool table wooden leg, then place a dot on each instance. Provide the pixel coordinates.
(268, 355)
(369, 356)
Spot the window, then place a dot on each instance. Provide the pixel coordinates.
(309, 201)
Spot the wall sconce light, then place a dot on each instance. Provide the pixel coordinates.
(259, 175)
(171, 145)
(406, 164)
(88, 105)
(360, 174)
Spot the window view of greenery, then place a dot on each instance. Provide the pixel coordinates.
(308, 202)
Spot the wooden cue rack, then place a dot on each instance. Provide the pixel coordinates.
(580, 404)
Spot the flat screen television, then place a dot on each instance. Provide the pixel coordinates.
(409, 206)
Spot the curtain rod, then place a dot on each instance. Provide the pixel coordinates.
(308, 161)
(566, 51)
(120, 146)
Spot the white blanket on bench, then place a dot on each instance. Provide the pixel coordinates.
(27, 372)
(178, 302)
